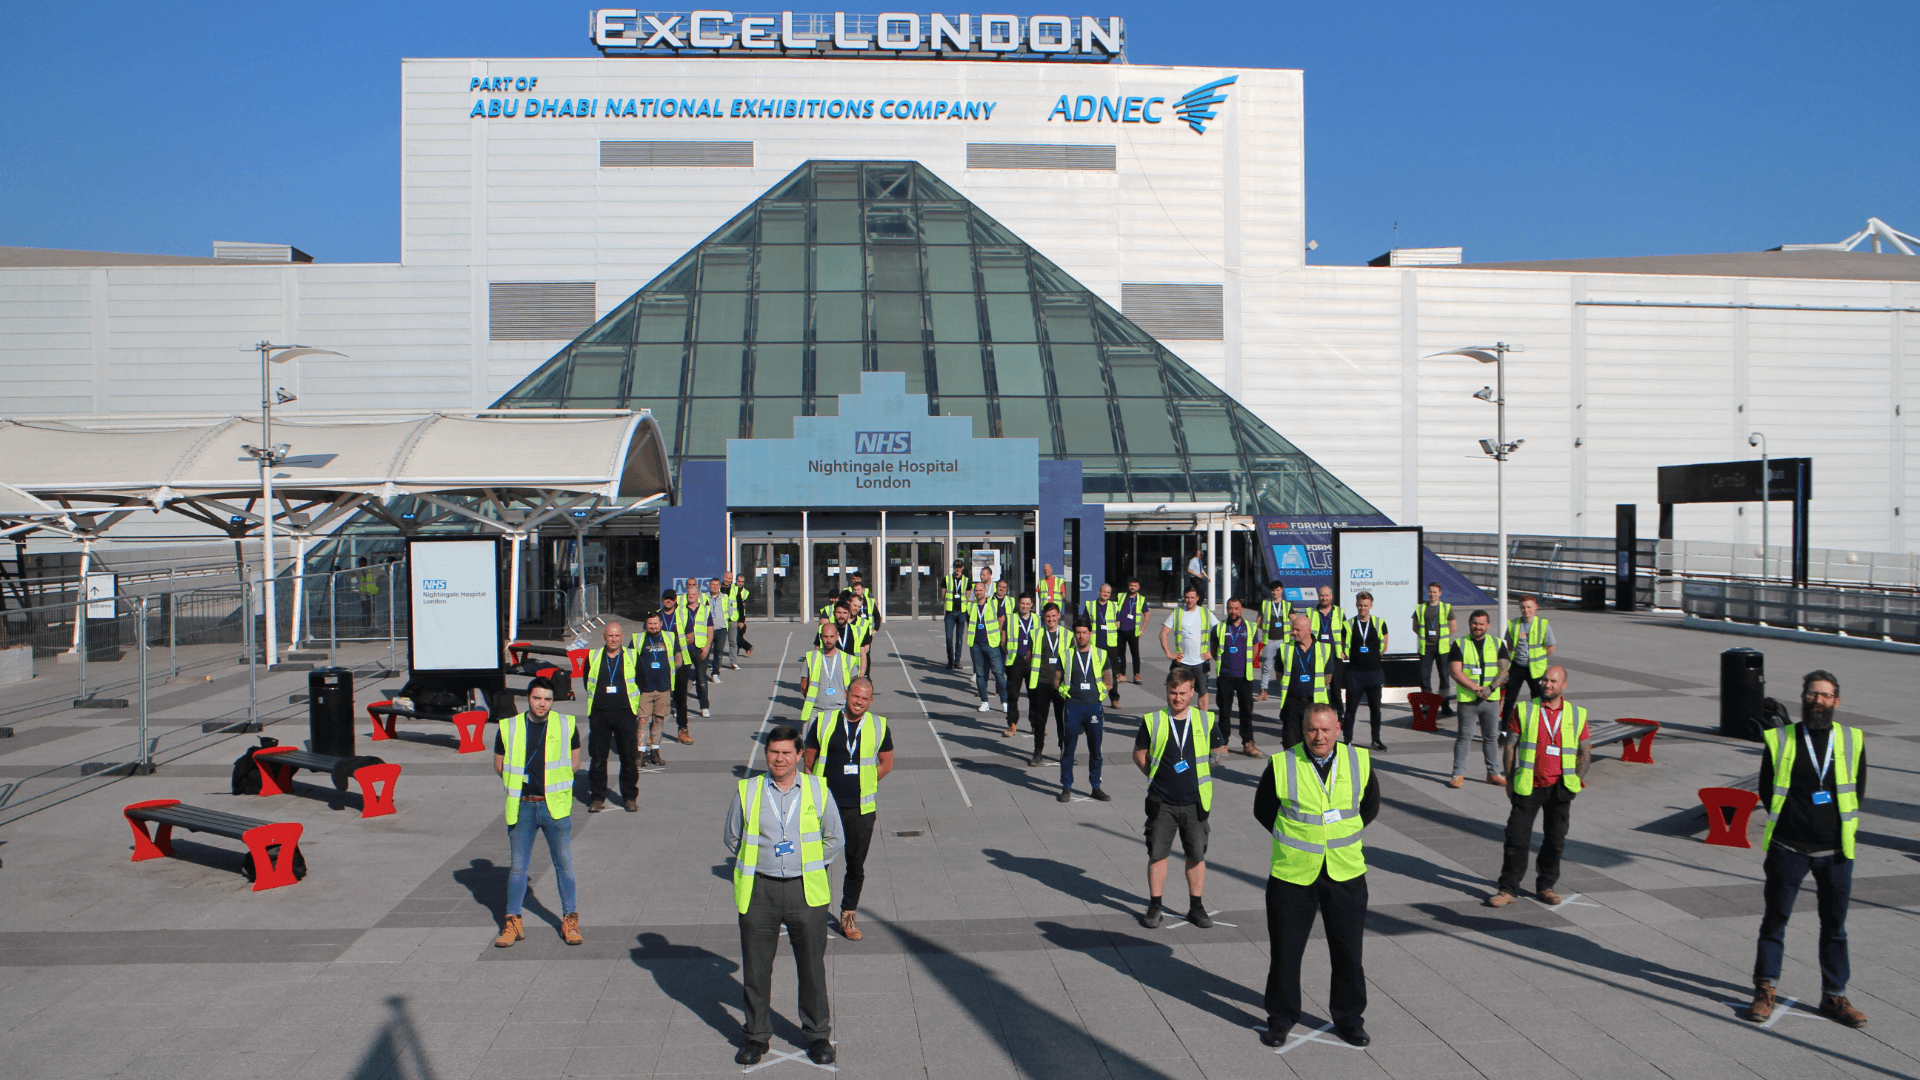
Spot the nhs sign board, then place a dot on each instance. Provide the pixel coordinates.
(883, 442)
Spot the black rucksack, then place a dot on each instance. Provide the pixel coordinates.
(246, 773)
(1772, 715)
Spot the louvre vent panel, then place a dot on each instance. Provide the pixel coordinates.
(538, 310)
(676, 154)
(1176, 312)
(1041, 156)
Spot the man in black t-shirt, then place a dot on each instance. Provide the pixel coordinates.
(1174, 748)
(833, 751)
(530, 810)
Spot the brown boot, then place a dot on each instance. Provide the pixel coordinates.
(1500, 899)
(509, 933)
(1763, 1001)
(686, 737)
(1012, 730)
(1840, 1010)
(570, 928)
(847, 929)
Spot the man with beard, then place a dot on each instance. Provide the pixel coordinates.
(1546, 763)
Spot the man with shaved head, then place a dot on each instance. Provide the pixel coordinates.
(1547, 754)
(613, 718)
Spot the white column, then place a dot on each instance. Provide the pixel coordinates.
(880, 571)
(513, 590)
(299, 590)
(806, 569)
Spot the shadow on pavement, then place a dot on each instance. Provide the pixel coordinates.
(700, 979)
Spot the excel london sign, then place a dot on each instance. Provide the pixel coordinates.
(893, 35)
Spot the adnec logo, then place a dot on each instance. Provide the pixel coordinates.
(1195, 107)
(883, 442)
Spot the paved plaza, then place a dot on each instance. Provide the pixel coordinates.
(1001, 930)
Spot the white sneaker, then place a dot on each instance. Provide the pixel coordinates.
(706, 712)
(716, 679)
(1003, 706)
(985, 705)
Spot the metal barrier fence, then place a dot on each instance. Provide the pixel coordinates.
(1545, 566)
(1854, 613)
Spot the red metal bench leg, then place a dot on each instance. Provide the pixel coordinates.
(1638, 750)
(376, 801)
(268, 872)
(156, 845)
(1426, 711)
(1718, 801)
(470, 724)
(275, 779)
(378, 734)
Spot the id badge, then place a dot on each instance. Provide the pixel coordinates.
(833, 691)
(1363, 648)
(1180, 766)
(1304, 678)
(1822, 798)
(1086, 686)
(850, 769)
(1331, 817)
(656, 665)
(1553, 751)
(784, 847)
(613, 689)
(1233, 648)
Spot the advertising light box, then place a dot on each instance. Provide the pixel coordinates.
(456, 605)
(1385, 563)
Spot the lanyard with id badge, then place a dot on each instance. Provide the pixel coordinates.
(1366, 634)
(1178, 736)
(784, 846)
(852, 767)
(1085, 667)
(1821, 796)
(1553, 733)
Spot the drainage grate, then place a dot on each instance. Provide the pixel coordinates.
(911, 832)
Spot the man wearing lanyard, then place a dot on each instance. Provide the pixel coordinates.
(613, 720)
(656, 687)
(1192, 622)
(1479, 670)
(1276, 621)
(1433, 622)
(537, 754)
(829, 669)
(690, 633)
(782, 831)
(853, 751)
(986, 635)
(1174, 748)
(1133, 620)
(1023, 630)
(1306, 670)
(1813, 816)
(1046, 671)
(1366, 676)
(1329, 622)
(720, 621)
(1235, 646)
(1549, 733)
(1530, 641)
(739, 594)
(1103, 616)
(1086, 677)
(955, 589)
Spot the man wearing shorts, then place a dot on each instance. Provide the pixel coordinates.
(1191, 622)
(1174, 748)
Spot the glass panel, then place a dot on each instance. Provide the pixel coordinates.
(1010, 317)
(596, 372)
(943, 224)
(836, 369)
(723, 317)
(783, 267)
(783, 224)
(897, 317)
(665, 414)
(656, 370)
(724, 271)
(1016, 369)
(1136, 372)
(773, 417)
(1214, 485)
(838, 268)
(777, 370)
(664, 318)
(710, 423)
(892, 221)
(1003, 271)
(956, 317)
(928, 186)
(1157, 481)
(976, 407)
(716, 371)
(1147, 427)
(1026, 418)
(544, 388)
(1115, 329)
(836, 181)
(901, 572)
(960, 370)
(615, 329)
(895, 266)
(1066, 320)
(836, 223)
(1085, 425)
(741, 230)
(1076, 370)
(1257, 438)
(1104, 486)
(1183, 381)
(825, 406)
(680, 278)
(1214, 462)
(796, 188)
(911, 359)
(781, 317)
(1049, 278)
(889, 181)
(1207, 430)
(949, 269)
(839, 317)
(1284, 487)
(988, 231)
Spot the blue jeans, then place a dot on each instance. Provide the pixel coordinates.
(716, 648)
(535, 818)
(1081, 716)
(1833, 881)
(983, 657)
(956, 633)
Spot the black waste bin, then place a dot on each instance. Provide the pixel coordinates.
(1593, 593)
(1743, 692)
(330, 711)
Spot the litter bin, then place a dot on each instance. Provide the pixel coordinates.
(1593, 593)
(330, 711)
(1743, 691)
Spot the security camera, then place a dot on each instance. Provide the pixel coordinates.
(1485, 393)
(1515, 445)
(1753, 439)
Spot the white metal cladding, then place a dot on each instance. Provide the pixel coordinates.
(538, 310)
(1175, 312)
(1095, 158)
(687, 153)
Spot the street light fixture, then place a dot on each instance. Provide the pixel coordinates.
(1499, 447)
(269, 456)
(1760, 440)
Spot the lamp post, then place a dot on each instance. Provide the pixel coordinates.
(1759, 439)
(269, 456)
(1498, 448)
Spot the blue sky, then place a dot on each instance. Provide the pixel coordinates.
(1519, 130)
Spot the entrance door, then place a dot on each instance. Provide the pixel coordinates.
(835, 563)
(773, 577)
(913, 574)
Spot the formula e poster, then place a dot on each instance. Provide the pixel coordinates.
(1299, 550)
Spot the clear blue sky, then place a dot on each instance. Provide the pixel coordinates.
(1519, 130)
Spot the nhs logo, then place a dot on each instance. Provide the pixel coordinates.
(883, 442)
(1360, 574)
(433, 585)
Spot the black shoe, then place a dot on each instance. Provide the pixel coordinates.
(1101, 796)
(1197, 915)
(1379, 747)
(1152, 919)
(1446, 714)
(1034, 760)
(820, 1052)
(1066, 795)
(1276, 1032)
(750, 1054)
(1356, 1035)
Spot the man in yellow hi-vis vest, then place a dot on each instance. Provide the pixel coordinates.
(954, 590)
(537, 754)
(852, 750)
(1176, 748)
(1547, 754)
(1812, 778)
(783, 829)
(1316, 798)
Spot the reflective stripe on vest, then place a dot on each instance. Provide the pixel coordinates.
(1061, 648)
(1783, 744)
(1105, 617)
(992, 611)
(628, 661)
(816, 669)
(1319, 823)
(1337, 619)
(1573, 720)
(1276, 627)
(1476, 664)
(1099, 673)
(558, 761)
(1322, 671)
(871, 736)
(1199, 737)
(813, 850)
(1536, 656)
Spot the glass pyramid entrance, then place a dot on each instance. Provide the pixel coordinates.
(848, 266)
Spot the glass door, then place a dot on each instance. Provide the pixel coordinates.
(902, 580)
(783, 572)
(927, 574)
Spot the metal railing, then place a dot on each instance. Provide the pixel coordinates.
(1876, 615)
(1546, 566)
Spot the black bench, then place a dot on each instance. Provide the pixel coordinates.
(469, 723)
(273, 848)
(279, 763)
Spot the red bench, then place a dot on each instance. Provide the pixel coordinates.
(1639, 748)
(1426, 710)
(1728, 811)
(376, 778)
(273, 848)
(469, 723)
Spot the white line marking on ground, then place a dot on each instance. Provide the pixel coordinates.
(771, 699)
(1574, 899)
(775, 1057)
(1311, 1036)
(1179, 921)
(937, 740)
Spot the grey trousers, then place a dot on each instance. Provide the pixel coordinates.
(776, 903)
(1485, 714)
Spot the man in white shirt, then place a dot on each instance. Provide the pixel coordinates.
(1192, 622)
(1197, 573)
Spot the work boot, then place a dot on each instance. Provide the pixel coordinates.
(1012, 730)
(596, 806)
(1101, 796)
(1151, 920)
(1763, 1001)
(686, 737)
(633, 806)
(509, 933)
(1496, 779)
(1066, 795)
(570, 928)
(1456, 781)
(1136, 679)
(1197, 915)
(1261, 696)
(847, 928)
(1549, 897)
(1034, 761)
(1249, 749)
(1840, 1010)
(1500, 899)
